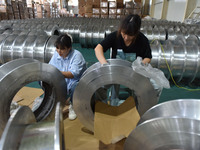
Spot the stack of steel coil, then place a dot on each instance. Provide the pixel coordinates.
(170, 125)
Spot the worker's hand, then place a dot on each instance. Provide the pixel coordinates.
(144, 63)
(105, 64)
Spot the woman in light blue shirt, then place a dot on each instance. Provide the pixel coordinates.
(71, 63)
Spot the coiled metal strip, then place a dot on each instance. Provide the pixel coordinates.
(184, 108)
(165, 134)
(39, 49)
(22, 132)
(114, 73)
(182, 57)
(18, 73)
(50, 48)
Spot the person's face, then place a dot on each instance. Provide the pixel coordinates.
(127, 38)
(63, 52)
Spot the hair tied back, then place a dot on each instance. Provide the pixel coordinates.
(131, 19)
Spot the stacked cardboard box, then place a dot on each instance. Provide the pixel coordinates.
(112, 9)
(109, 9)
(81, 7)
(88, 8)
(96, 11)
(39, 10)
(120, 3)
(30, 12)
(3, 14)
(138, 8)
(104, 8)
(15, 8)
(47, 9)
(9, 11)
(129, 6)
(23, 9)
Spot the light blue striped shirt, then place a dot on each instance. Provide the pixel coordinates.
(74, 62)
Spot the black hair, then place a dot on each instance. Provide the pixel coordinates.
(63, 41)
(130, 25)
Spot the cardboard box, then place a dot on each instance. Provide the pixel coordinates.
(112, 16)
(128, 11)
(104, 11)
(39, 8)
(120, 5)
(112, 11)
(96, 11)
(112, 4)
(103, 4)
(96, 16)
(120, 11)
(89, 15)
(104, 16)
(88, 8)
(119, 16)
(3, 9)
(138, 1)
(113, 123)
(129, 5)
(89, 2)
(96, 4)
(81, 11)
(47, 7)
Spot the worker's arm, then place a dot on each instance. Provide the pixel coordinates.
(146, 60)
(100, 54)
(67, 74)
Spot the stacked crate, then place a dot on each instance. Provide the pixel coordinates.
(129, 7)
(23, 9)
(30, 12)
(137, 8)
(9, 11)
(88, 8)
(47, 10)
(39, 9)
(112, 9)
(3, 14)
(96, 9)
(15, 8)
(81, 7)
(104, 8)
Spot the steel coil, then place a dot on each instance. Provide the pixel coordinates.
(114, 73)
(183, 108)
(165, 134)
(22, 132)
(17, 73)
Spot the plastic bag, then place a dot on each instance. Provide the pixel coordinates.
(157, 77)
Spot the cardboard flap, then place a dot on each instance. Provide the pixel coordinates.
(112, 123)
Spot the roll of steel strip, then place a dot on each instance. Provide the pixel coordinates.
(192, 60)
(7, 48)
(16, 125)
(38, 50)
(182, 56)
(27, 134)
(184, 108)
(111, 62)
(18, 47)
(2, 40)
(51, 30)
(29, 46)
(18, 73)
(165, 134)
(115, 73)
(50, 48)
